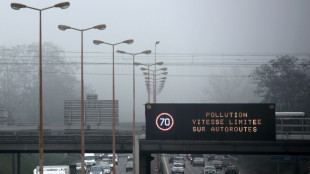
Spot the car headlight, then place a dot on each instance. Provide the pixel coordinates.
(100, 173)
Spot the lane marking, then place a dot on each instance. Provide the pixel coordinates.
(233, 157)
(165, 162)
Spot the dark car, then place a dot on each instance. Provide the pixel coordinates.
(129, 166)
(171, 158)
(211, 157)
(231, 170)
(217, 164)
(226, 162)
(95, 170)
(198, 161)
(192, 156)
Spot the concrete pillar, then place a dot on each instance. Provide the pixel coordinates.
(137, 152)
(16, 163)
(145, 163)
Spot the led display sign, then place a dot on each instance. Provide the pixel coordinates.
(220, 122)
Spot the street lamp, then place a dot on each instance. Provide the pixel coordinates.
(98, 42)
(17, 6)
(148, 71)
(63, 28)
(134, 100)
(154, 85)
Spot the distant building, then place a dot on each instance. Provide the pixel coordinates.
(96, 112)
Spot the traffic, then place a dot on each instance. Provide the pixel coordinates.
(199, 164)
(96, 163)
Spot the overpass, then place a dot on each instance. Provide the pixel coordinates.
(292, 137)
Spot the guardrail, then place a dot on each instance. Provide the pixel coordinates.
(288, 128)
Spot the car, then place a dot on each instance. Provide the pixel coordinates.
(97, 156)
(232, 170)
(79, 167)
(219, 157)
(171, 158)
(95, 170)
(209, 172)
(226, 162)
(217, 164)
(111, 157)
(209, 169)
(106, 169)
(107, 160)
(198, 161)
(179, 159)
(211, 157)
(129, 166)
(129, 158)
(89, 159)
(177, 168)
(192, 156)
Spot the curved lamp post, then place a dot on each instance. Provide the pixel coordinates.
(134, 100)
(63, 28)
(17, 6)
(98, 42)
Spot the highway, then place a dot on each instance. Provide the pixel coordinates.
(120, 168)
(189, 169)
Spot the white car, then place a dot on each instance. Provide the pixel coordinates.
(177, 168)
(209, 169)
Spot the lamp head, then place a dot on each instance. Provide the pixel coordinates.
(164, 73)
(159, 63)
(146, 52)
(63, 27)
(97, 42)
(157, 42)
(137, 63)
(63, 5)
(164, 69)
(100, 27)
(121, 52)
(17, 6)
(129, 41)
(145, 73)
(143, 69)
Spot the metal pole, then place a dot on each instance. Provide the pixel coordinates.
(41, 97)
(133, 116)
(148, 85)
(113, 124)
(82, 107)
(154, 80)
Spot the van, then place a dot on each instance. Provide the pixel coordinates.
(89, 159)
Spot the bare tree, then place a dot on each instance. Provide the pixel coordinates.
(284, 81)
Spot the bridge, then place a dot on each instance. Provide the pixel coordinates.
(292, 137)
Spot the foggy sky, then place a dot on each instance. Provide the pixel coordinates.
(191, 34)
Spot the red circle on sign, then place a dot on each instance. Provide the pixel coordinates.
(168, 128)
